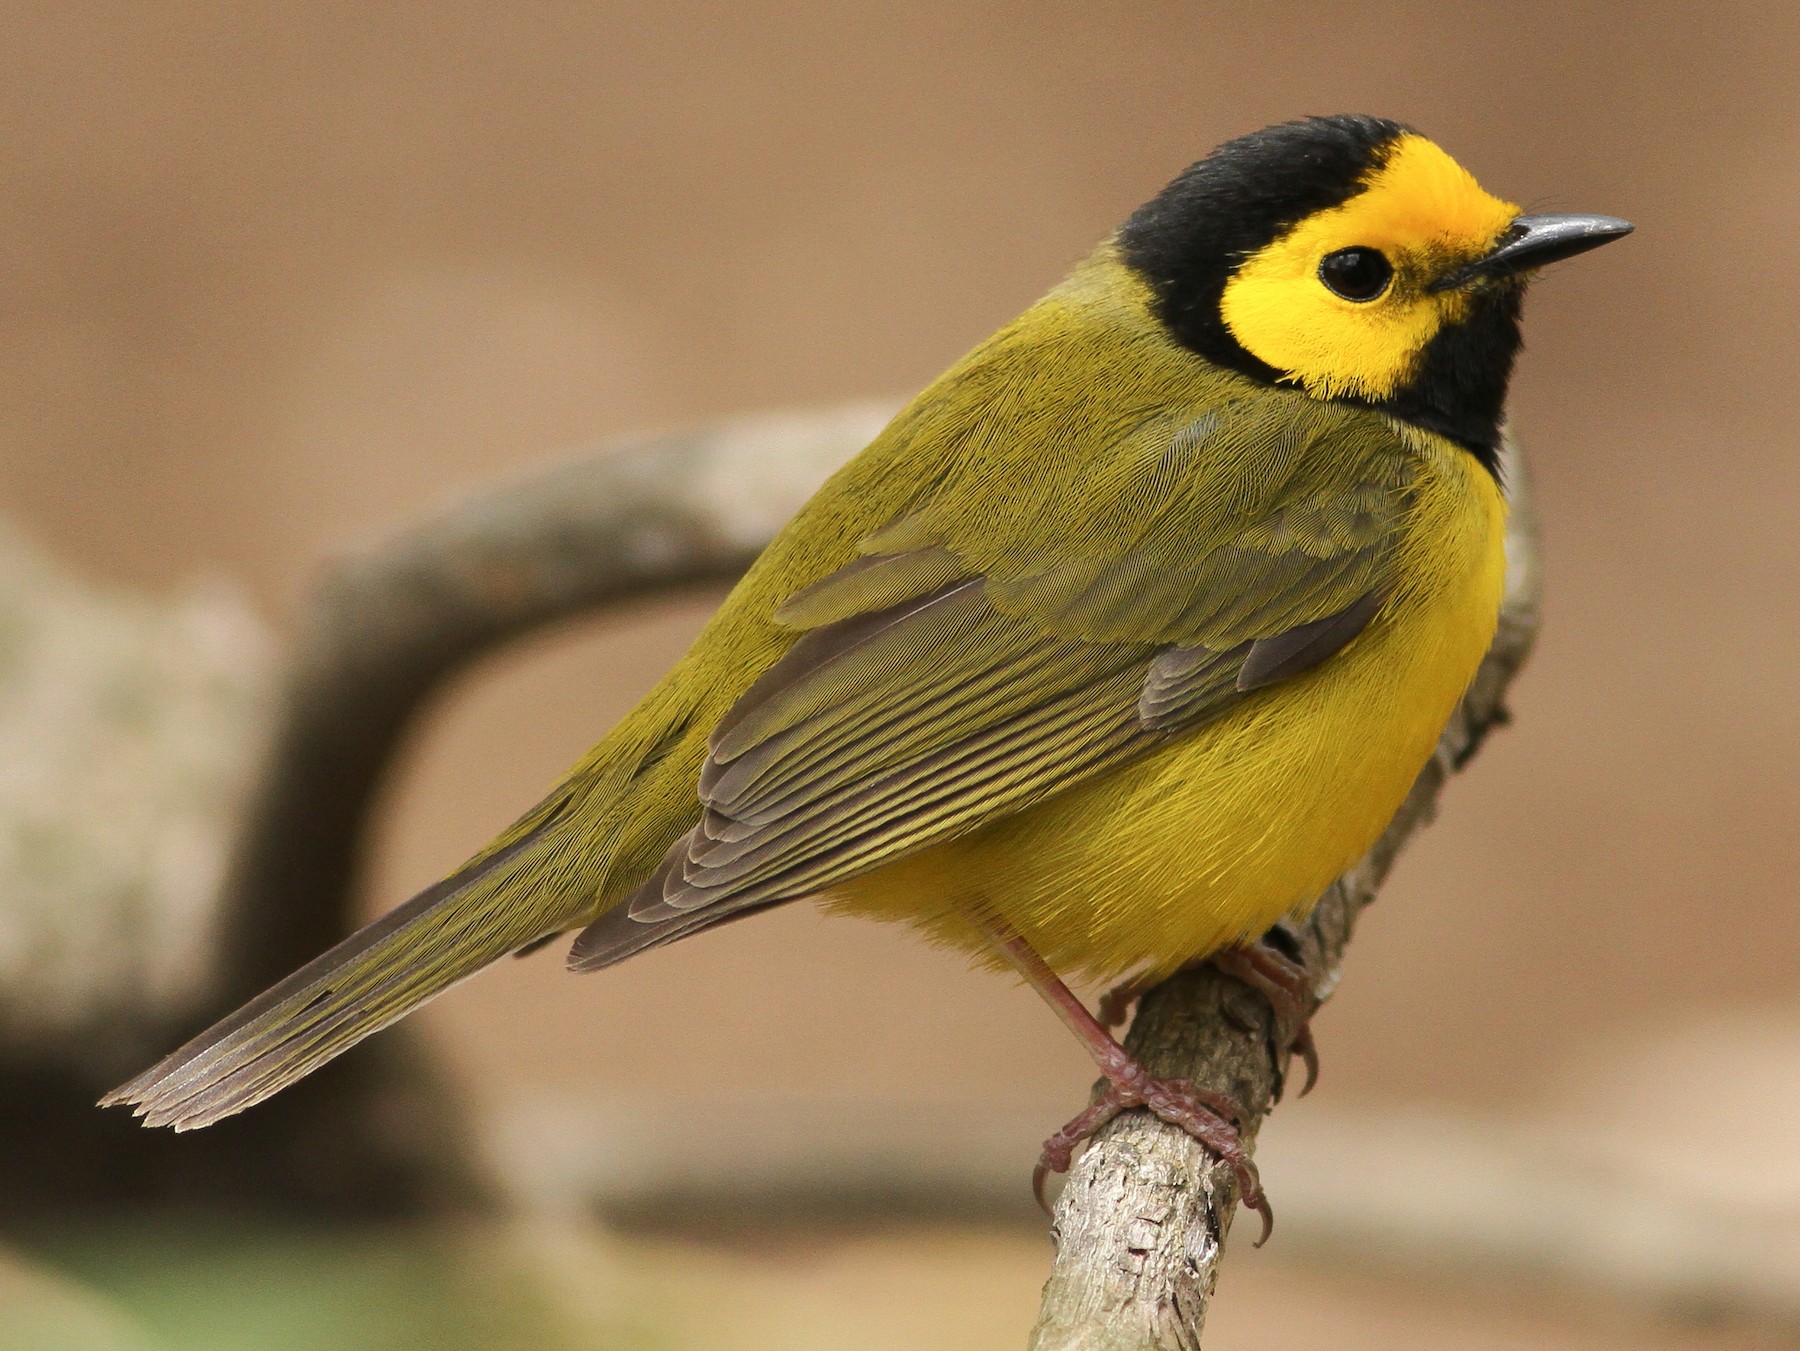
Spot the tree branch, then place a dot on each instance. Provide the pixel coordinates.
(1140, 1227)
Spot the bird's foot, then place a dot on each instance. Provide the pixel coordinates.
(1285, 983)
(1266, 969)
(1211, 1118)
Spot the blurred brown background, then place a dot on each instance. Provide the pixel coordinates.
(276, 277)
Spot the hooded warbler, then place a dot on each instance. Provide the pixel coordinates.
(1119, 644)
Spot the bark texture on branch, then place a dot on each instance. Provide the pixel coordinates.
(1140, 1227)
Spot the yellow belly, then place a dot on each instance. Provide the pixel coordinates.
(1221, 834)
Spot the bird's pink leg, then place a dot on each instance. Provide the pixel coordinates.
(1211, 1118)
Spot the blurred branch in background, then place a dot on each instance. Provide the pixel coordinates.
(1141, 1225)
(128, 733)
(392, 623)
(131, 730)
(135, 729)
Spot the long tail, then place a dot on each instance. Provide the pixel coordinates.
(526, 888)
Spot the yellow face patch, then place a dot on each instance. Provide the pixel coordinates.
(1425, 214)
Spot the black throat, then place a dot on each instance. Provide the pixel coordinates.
(1189, 239)
(1459, 388)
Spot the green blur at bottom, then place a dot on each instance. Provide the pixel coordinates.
(231, 1287)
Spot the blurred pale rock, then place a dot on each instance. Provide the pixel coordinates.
(129, 731)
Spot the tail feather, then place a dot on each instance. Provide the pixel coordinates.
(380, 973)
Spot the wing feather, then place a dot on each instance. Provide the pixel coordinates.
(955, 673)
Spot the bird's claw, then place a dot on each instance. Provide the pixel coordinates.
(1211, 1118)
(1292, 999)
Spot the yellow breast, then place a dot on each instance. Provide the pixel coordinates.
(1218, 836)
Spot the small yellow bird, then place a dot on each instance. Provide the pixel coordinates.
(1116, 647)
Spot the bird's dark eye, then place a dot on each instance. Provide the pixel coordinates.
(1356, 274)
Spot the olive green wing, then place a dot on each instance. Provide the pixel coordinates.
(965, 667)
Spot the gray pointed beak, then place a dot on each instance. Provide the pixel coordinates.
(1533, 241)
